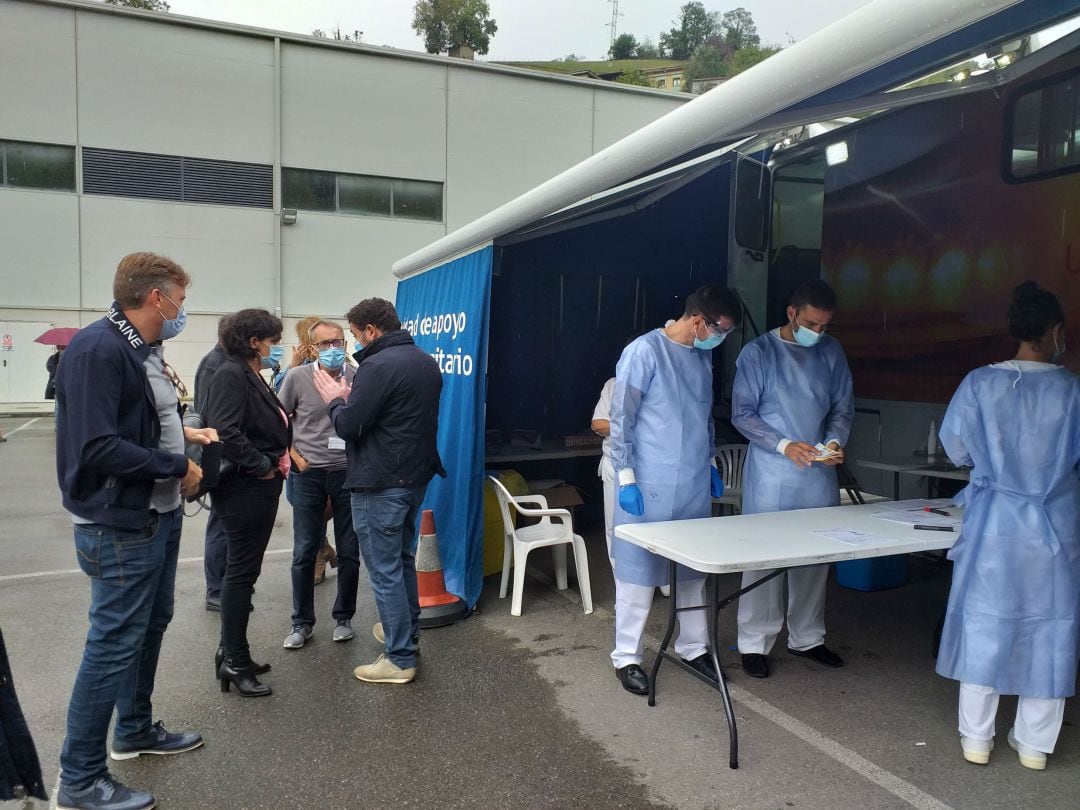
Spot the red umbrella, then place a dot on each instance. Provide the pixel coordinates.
(57, 336)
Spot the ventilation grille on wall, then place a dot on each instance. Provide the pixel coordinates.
(172, 177)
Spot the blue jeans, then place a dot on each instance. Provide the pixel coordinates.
(385, 524)
(307, 492)
(132, 577)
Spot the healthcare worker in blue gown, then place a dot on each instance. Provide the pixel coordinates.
(1014, 607)
(661, 451)
(792, 391)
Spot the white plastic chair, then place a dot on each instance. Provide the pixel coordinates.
(729, 461)
(554, 529)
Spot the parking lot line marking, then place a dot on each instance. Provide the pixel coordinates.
(61, 571)
(23, 425)
(887, 780)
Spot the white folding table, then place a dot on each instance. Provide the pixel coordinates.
(781, 540)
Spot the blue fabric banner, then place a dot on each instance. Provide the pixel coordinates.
(446, 311)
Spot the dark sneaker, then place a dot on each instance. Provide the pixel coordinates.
(755, 665)
(822, 654)
(106, 793)
(156, 741)
(298, 636)
(703, 664)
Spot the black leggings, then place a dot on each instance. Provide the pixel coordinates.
(247, 508)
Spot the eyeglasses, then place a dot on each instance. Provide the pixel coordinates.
(715, 327)
(336, 343)
(172, 376)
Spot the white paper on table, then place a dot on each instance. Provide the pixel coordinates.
(919, 518)
(854, 537)
(917, 504)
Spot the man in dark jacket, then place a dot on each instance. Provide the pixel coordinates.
(389, 425)
(122, 470)
(214, 541)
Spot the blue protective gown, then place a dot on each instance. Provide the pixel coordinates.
(786, 391)
(662, 429)
(1014, 606)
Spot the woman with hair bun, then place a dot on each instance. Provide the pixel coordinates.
(1013, 621)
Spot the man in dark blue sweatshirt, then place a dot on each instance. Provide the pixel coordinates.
(122, 470)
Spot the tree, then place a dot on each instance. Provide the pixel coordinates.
(336, 33)
(445, 24)
(647, 49)
(146, 5)
(739, 30)
(624, 47)
(707, 62)
(571, 57)
(746, 58)
(634, 77)
(695, 25)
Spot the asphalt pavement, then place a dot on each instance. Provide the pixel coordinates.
(507, 712)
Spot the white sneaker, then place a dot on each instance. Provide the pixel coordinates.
(976, 751)
(1029, 757)
(300, 634)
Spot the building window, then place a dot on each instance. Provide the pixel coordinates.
(1044, 136)
(661, 82)
(37, 165)
(676, 82)
(361, 194)
(117, 173)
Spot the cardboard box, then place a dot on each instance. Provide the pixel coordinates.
(564, 497)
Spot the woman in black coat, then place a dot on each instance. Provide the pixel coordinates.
(255, 431)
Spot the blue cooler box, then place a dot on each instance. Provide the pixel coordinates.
(873, 573)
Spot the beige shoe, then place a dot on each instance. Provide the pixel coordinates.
(976, 752)
(376, 631)
(1029, 757)
(384, 671)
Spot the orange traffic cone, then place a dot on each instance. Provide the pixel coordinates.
(437, 606)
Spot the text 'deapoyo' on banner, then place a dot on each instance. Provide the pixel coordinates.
(446, 311)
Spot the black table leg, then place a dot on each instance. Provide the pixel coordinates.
(713, 601)
(672, 567)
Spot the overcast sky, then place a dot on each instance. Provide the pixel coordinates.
(528, 29)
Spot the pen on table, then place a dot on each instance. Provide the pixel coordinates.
(941, 512)
(934, 528)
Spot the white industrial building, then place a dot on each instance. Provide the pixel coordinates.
(123, 130)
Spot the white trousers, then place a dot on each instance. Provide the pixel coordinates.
(607, 475)
(1038, 720)
(761, 611)
(632, 604)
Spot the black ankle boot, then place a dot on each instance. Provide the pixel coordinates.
(243, 679)
(219, 656)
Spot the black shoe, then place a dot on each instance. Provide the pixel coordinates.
(703, 664)
(243, 679)
(219, 656)
(633, 679)
(755, 665)
(104, 793)
(822, 654)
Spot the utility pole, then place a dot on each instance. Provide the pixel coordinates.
(614, 24)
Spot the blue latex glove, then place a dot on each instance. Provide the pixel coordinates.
(716, 484)
(630, 500)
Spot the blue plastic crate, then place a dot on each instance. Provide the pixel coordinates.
(873, 574)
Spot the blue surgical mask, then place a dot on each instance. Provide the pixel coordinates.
(1058, 350)
(359, 346)
(274, 358)
(332, 358)
(709, 343)
(172, 328)
(804, 336)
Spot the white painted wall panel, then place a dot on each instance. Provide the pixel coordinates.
(229, 252)
(619, 114)
(180, 91)
(352, 112)
(330, 262)
(506, 135)
(39, 245)
(37, 80)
